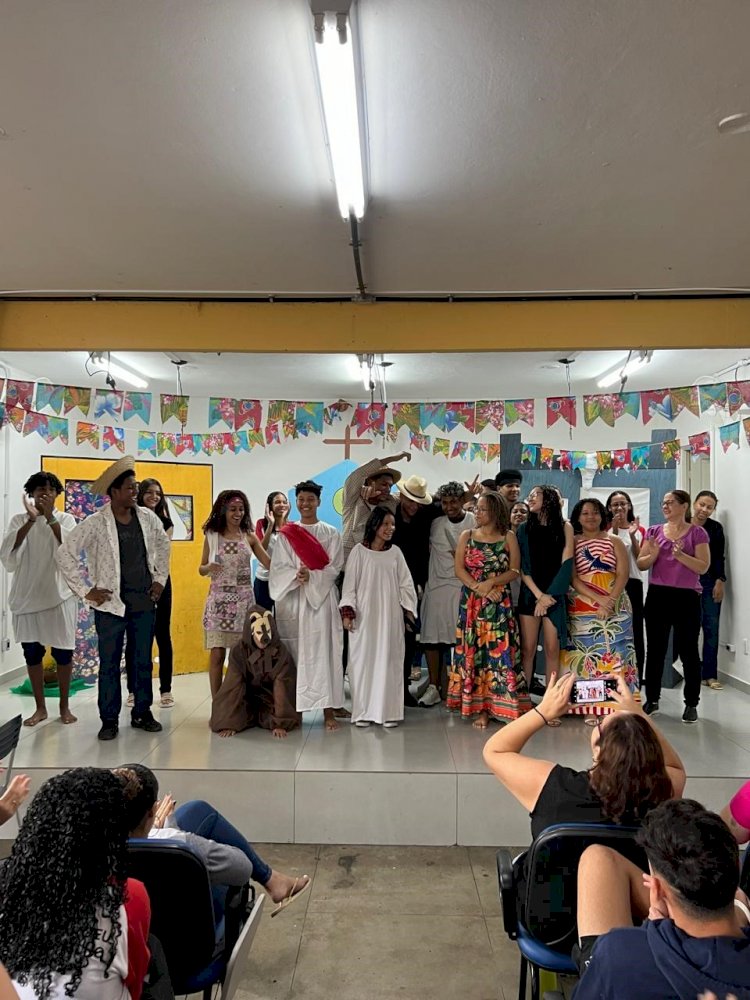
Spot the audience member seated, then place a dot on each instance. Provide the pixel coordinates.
(634, 767)
(694, 937)
(71, 924)
(12, 798)
(229, 858)
(260, 685)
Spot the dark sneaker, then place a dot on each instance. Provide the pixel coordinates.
(409, 700)
(690, 714)
(146, 722)
(536, 687)
(108, 731)
(651, 708)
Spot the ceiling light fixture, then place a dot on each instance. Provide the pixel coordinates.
(128, 363)
(622, 371)
(343, 113)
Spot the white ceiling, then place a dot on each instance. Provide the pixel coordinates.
(411, 377)
(515, 145)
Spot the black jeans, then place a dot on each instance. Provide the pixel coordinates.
(111, 631)
(163, 636)
(634, 590)
(679, 609)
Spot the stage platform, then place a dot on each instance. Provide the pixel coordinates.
(423, 783)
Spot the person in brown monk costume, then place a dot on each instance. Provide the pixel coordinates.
(260, 684)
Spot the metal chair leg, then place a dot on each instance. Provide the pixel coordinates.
(535, 994)
(522, 980)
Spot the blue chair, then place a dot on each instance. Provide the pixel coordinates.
(206, 934)
(543, 922)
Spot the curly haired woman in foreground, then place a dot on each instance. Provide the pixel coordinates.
(71, 924)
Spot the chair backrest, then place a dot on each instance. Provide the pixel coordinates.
(10, 733)
(238, 959)
(182, 911)
(551, 903)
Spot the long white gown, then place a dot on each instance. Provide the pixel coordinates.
(308, 618)
(377, 585)
(442, 595)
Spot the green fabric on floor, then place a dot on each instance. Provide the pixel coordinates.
(50, 690)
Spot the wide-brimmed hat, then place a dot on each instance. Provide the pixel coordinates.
(103, 483)
(385, 471)
(507, 476)
(415, 488)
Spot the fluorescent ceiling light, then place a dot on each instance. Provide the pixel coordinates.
(104, 363)
(622, 371)
(126, 361)
(334, 56)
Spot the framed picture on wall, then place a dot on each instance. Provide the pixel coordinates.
(180, 507)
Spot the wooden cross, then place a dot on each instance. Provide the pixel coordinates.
(347, 441)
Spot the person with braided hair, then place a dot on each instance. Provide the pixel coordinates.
(71, 923)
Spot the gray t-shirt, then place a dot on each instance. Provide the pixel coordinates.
(135, 576)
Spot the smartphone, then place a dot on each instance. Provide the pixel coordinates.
(592, 692)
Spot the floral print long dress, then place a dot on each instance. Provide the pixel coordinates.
(487, 674)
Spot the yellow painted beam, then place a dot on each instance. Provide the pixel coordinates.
(392, 327)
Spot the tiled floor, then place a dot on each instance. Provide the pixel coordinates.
(422, 783)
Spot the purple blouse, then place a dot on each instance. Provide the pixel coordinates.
(667, 571)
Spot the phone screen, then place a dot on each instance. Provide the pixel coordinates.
(590, 692)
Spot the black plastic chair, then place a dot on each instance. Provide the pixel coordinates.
(200, 953)
(10, 733)
(543, 922)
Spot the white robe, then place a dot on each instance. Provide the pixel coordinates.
(377, 585)
(308, 619)
(442, 595)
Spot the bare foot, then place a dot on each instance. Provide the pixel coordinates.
(280, 886)
(342, 713)
(39, 716)
(279, 734)
(330, 720)
(226, 733)
(481, 721)
(66, 716)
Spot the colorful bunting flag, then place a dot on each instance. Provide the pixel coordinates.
(108, 403)
(685, 398)
(186, 445)
(433, 413)
(334, 411)
(272, 433)
(419, 441)
(441, 446)
(174, 406)
(639, 456)
(459, 415)
(369, 418)
(477, 452)
(249, 413)
(729, 435)
(278, 410)
(603, 460)
(57, 429)
(602, 406)
(50, 396)
(35, 423)
(15, 417)
(519, 409)
(561, 407)
(221, 408)
(566, 461)
(391, 433)
(546, 457)
(493, 452)
(713, 396)
(621, 458)
(579, 459)
(738, 394)
(87, 433)
(74, 396)
(746, 428)
(670, 450)
(113, 437)
(626, 403)
(530, 455)
(18, 393)
(700, 445)
(407, 415)
(460, 450)
(3, 413)
(309, 418)
(137, 404)
(255, 439)
(147, 443)
(656, 402)
(489, 413)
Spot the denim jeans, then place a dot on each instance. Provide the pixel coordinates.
(111, 631)
(163, 636)
(710, 613)
(202, 819)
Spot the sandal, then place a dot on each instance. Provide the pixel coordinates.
(554, 723)
(592, 721)
(714, 684)
(294, 893)
(167, 700)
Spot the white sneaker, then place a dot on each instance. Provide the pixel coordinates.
(430, 697)
(362, 724)
(131, 700)
(390, 725)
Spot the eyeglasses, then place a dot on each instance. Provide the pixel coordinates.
(668, 503)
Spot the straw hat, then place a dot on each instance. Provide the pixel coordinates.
(103, 483)
(415, 488)
(385, 471)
